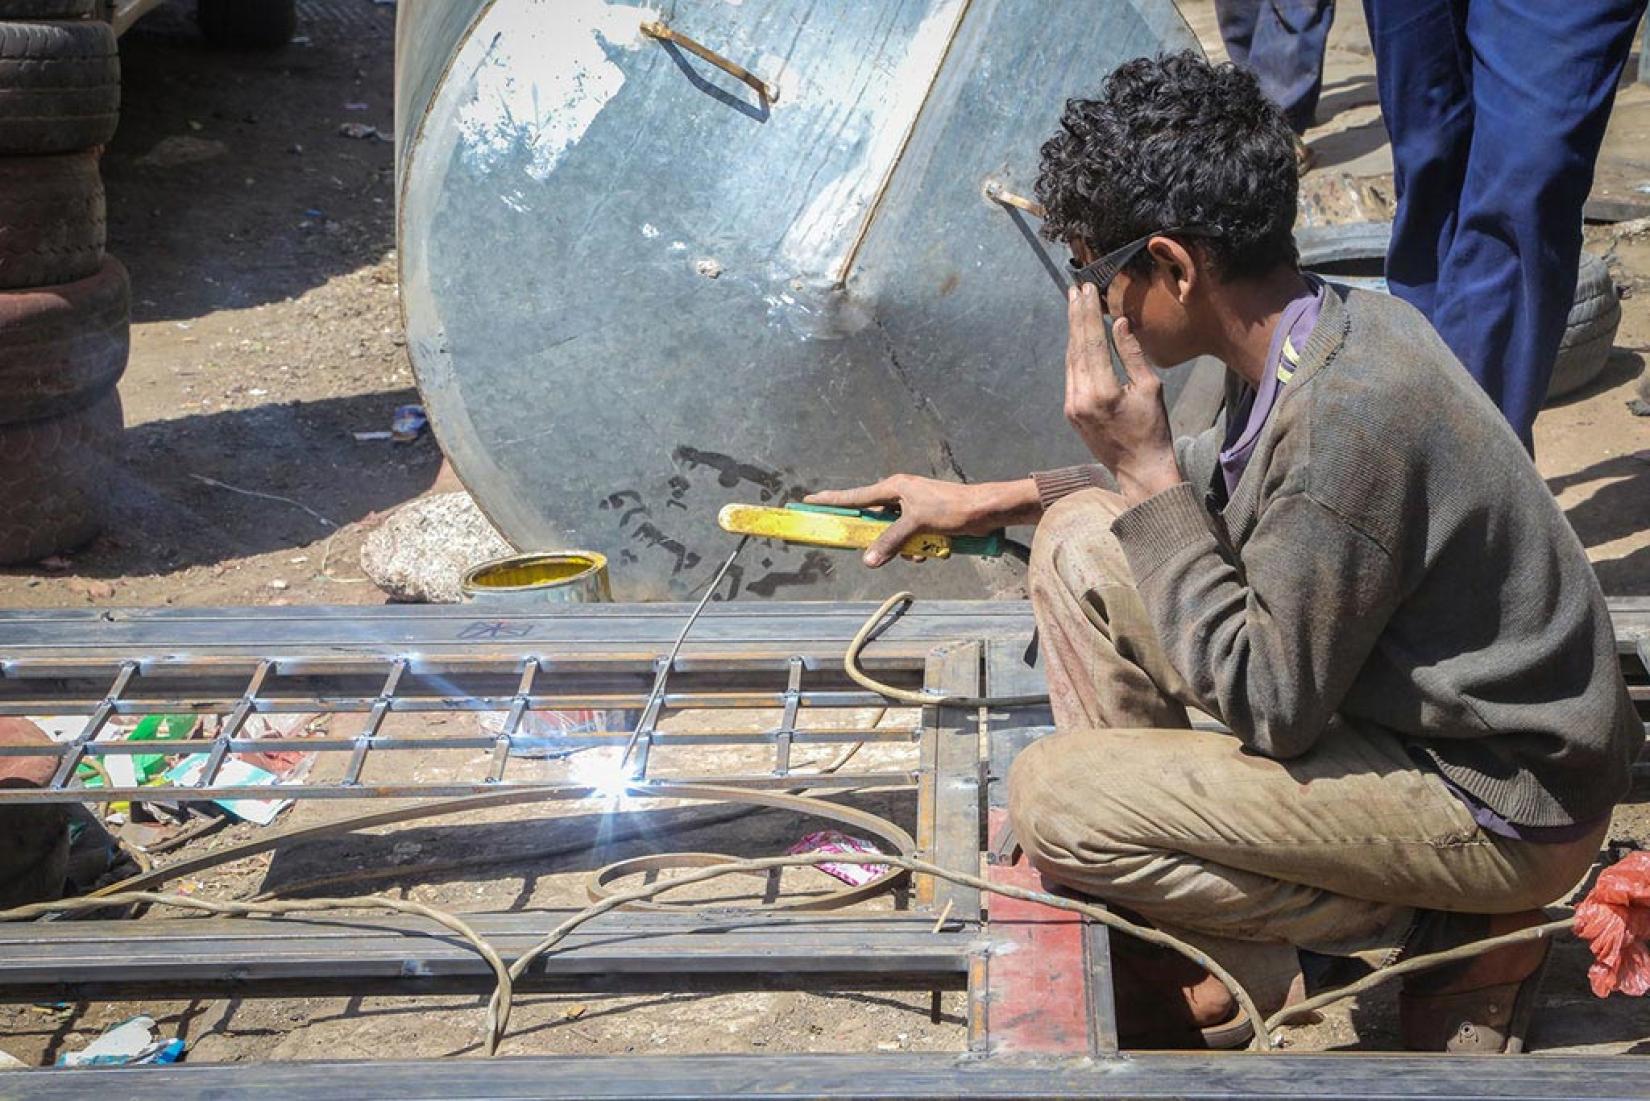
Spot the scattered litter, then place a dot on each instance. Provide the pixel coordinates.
(835, 841)
(1614, 920)
(355, 106)
(574, 1012)
(278, 584)
(135, 769)
(361, 130)
(409, 423)
(128, 1043)
(365, 436)
(235, 773)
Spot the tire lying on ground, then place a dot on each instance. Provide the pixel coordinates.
(52, 223)
(47, 9)
(56, 476)
(247, 24)
(1590, 331)
(59, 86)
(62, 347)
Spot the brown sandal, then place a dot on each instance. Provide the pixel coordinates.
(1483, 1020)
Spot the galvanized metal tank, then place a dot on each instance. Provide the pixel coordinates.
(657, 259)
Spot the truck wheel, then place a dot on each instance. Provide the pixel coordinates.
(47, 9)
(56, 476)
(52, 224)
(247, 24)
(62, 347)
(1590, 331)
(59, 87)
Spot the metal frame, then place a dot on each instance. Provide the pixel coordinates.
(379, 661)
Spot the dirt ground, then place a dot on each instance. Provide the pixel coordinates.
(266, 333)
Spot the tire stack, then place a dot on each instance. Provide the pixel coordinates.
(64, 305)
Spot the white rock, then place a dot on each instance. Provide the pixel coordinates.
(422, 551)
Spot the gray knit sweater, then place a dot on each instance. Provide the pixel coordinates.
(1391, 556)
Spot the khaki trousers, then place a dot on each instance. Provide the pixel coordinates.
(1249, 858)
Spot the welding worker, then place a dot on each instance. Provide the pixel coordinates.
(1496, 110)
(1359, 573)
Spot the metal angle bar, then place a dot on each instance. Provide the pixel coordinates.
(948, 812)
(99, 717)
(245, 954)
(938, 1077)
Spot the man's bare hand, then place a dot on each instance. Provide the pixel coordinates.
(930, 505)
(1126, 427)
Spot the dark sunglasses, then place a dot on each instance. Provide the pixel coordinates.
(1105, 269)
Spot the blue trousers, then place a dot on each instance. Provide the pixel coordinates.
(1496, 110)
(1282, 42)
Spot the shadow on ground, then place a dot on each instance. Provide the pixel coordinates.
(168, 517)
(229, 184)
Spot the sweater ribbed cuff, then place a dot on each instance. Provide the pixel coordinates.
(1055, 484)
(1160, 527)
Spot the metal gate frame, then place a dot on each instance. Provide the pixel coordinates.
(376, 661)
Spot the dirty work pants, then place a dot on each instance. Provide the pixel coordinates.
(1249, 858)
(1496, 110)
(1282, 42)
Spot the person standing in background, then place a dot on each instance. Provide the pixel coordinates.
(1282, 43)
(1496, 111)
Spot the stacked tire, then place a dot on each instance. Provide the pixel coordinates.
(64, 304)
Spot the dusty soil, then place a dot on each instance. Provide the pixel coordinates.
(266, 333)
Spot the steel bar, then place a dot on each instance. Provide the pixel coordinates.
(256, 957)
(100, 716)
(763, 781)
(233, 724)
(1343, 1077)
(786, 733)
(948, 793)
(512, 720)
(375, 720)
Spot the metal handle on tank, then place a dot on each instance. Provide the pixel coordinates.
(654, 29)
(997, 193)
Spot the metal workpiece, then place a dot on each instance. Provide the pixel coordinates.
(1040, 1011)
(649, 271)
(910, 1077)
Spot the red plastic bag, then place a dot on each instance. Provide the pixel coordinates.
(1614, 920)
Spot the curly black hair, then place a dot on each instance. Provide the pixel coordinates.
(1175, 141)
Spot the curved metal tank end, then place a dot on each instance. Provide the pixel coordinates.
(637, 288)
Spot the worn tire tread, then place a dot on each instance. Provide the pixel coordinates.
(56, 478)
(59, 86)
(61, 347)
(53, 222)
